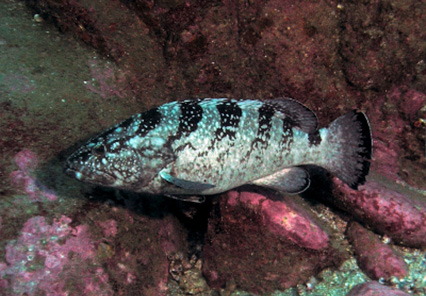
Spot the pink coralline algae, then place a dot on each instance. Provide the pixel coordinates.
(275, 239)
(387, 131)
(410, 102)
(136, 256)
(391, 120)
(27, 162)
(386, 211)
(285, 220)
(375, 289)
(375, 258)
(109, 228)
(52, 260)
(386, 159)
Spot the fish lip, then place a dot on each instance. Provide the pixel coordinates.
(72, 173)
(68, 168)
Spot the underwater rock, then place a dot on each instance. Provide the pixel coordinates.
(251, 244)
(388, 129)
(135, 248)
(48, 259)
(369, 66)
(388, 212)
(143, 260)
(409, 101)
(23, 179)
(120, 36)
(375, 289)
(109, 227)
(187, 274)
(116, 252)
(396, 123)
(375, 258)
(285, 219)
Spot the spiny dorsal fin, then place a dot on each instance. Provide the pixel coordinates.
(303, 117)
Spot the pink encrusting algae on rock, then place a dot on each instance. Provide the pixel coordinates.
(285, 219)
(375, 289)
(375, 258)
(27, 162)
(296, 225)
(409, 101)
(393, 119)
(386, 211)
(276, 240)
(109, 228)
(52, 259)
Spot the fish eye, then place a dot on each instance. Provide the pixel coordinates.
(99, 149)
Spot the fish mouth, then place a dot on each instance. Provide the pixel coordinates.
(73, 173)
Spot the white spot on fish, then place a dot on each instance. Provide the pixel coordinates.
(136, 142)
(78, 175)
(115, 145)
(157, 141)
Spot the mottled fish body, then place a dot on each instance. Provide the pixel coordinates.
(208, 146)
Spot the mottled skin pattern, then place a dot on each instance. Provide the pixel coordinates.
(221, 142)
(229, 148)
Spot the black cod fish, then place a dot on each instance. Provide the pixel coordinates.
(208, 146)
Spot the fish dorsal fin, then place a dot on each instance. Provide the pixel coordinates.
(302, 116)
(298, 114)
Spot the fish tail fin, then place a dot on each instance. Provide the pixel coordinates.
(349, 142)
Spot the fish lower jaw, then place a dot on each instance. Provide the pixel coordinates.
(73, 173)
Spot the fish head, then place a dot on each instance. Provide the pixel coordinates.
(124, 162)
(101, 163)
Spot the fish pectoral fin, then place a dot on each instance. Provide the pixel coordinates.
(188, 198)
(185, 184)
(292, 180)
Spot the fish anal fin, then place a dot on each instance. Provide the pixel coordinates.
(291, 180)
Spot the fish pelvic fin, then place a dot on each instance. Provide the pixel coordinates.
(350, 146)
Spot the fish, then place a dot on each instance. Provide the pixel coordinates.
(207, 146)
